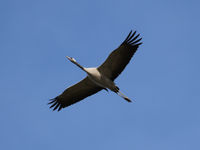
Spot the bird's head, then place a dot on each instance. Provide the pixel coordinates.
(71, 59)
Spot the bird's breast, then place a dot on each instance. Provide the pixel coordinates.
(99, 78)
(93, 73)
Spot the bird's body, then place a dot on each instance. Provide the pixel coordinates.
(98, 78)
(101, 77)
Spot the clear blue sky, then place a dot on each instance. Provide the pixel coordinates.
(163, 76)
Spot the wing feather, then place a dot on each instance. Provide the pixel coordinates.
(120, 57)
(74, 94)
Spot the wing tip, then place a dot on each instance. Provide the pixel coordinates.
(55, 104)
(132, 40)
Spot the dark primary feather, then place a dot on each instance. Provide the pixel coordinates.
(120, 57)
(75, 93)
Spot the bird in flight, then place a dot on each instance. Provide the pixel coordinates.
(101, 77)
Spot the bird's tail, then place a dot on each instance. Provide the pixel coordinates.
(123, 96)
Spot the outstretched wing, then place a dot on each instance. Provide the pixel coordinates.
(120, 57)
(74, 94)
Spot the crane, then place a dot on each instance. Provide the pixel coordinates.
(99, 78)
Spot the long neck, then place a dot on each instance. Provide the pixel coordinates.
(79, 66)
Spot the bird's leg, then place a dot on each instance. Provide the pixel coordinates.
(123, 96)
(118, 92)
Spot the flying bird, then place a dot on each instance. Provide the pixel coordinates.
(101, 77)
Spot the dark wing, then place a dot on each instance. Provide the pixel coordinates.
(119, 58)
(75, 93)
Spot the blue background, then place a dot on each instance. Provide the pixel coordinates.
(163, 76)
